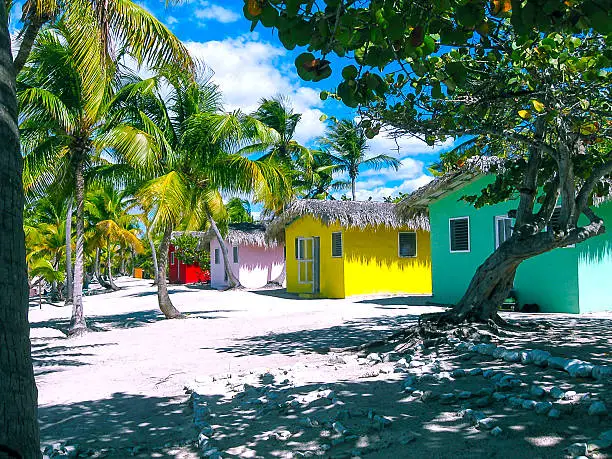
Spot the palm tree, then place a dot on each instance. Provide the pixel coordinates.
(202, 148)
(347, 144)
(66, 126)
(239, 210)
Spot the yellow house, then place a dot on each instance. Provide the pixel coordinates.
(335, 249)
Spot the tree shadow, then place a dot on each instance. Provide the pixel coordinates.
(154, 293)
(352, 332)
(401, 301)
(278, 293)
(126, 320)
(120, 422)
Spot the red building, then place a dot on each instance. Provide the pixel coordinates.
(180, 273)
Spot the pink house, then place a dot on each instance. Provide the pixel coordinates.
(253, 260)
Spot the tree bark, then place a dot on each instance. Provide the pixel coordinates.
(122, 255)
(165, 303)
(69, 280)
(78, 325)
(19, 432)
(353, 189)
(232, 280)
(154, 256)
(109, 266)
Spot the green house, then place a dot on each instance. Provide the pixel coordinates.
(571, 280)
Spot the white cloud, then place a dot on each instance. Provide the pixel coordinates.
(403, 146)
(378, 192)
(211, 12)
(248, 69)
(171, 20)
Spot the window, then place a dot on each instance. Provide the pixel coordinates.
(217, 257)
(337, 245)
(172, 258)
(503, 230)
(235, 254)
(407, 245)
(459, 229)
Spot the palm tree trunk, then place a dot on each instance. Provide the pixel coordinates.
(122, 255)
(353, 189)
(232, 280)
(97, 272)
(154, 256)
(109, 265)
(78, 325)
(69, 284)
(165, 303)
(19, 434)
(29, 37)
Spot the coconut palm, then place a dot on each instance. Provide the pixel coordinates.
(66, 126)
(200, 160)
(347, 144)
(239, 210)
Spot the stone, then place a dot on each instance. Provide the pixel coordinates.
(485, 348)
(526, 357)
(511, 356)
(554, 413)
(486, 423)
(570, 395)
(409, 389)
(283, 435)
(599, 444)
(374, 357)
(602, 372)
(579, 369)
(556, 393)
(307, 422)
(483, 402)
(428, 395)
(203, 441)
(485, 391)
(598, 409)
(499, 397)
(607, 435)
(564, 406)
(447, 399)
(540, 358)
(382, 421)
(488, 374)
(537, 391)
(336, 360)
(496, 431)
(473, 416)
(558, 363)
(340, 428)
(409, 381)
(529, 404)
(497, 377)
(498, 352)
(515, 402)
(543, 407)
(462, 346)
(401, 363)
(458, 373)
(207, 430)
(578, 449)
(464, 394)
(474, 371)
(327, 393)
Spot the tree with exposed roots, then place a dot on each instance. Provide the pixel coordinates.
(526, 82)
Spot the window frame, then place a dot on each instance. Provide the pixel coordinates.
(172, 258)
(217, 256)
(495, 220)
(235, 255)
(416, 244)
(450, 235)
(341, 244)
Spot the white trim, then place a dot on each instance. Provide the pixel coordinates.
(303, 262)
(341, 244)
(495, 220)
(469, 249)
(416, 244)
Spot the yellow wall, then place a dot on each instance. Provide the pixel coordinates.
(370, 262)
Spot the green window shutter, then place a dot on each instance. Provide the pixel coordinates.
(459, 234)
(337, 244)
(407, 245)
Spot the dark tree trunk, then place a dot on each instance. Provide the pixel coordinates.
(109, 267)
(19, 432)
(165, 304)
(353, 189)
(98, 273)
(232, 280)
(29, 37)
(122, 255)
(69, 279)
(154, 256)
(78, 325)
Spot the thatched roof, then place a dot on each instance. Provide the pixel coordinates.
(351, 214)
(238, 234)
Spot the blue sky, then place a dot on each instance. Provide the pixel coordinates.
(250, 65)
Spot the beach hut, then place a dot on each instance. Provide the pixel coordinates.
(337, 249)
(254, 260)
(570, 279)
(182, 273)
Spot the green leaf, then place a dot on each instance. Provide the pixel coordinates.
(349, 72)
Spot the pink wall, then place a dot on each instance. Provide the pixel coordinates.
(255, 268)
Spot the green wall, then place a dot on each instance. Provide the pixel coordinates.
(595, 267)
(550, 280)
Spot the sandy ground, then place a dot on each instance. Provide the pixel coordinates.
(259, 360)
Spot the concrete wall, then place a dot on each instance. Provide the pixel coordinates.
(550, 280)
(256, 265)
(370, 262)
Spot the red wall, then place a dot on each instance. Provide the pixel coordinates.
(180, 273)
